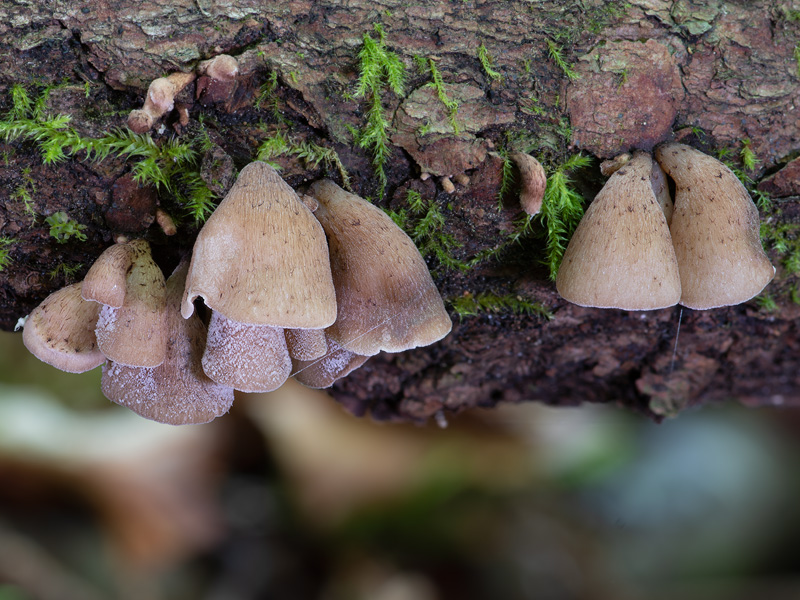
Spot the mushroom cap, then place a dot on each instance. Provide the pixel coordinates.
(60, 331)
(534, 182)
(386, 297)
(135, 334)
(621, 254)
(248, 358)
(306, 344)
(715, 231)
(661, 189)
(324, 371)
(176, 392)
(222, 67)
(106, 280)
(261, 258)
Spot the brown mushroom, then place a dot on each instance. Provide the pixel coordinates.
(534, 182)
(60, 331)
(715, 231)
(217, 79)
(324, 371)
(132, 332)
(658, 180)
(306, 344)
(176, 392)
(159, 101)
(621, 254)
(385, 294)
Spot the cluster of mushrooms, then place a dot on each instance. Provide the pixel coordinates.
(632, 250)
(285, 292)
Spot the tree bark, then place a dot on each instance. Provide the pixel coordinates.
(712, 74)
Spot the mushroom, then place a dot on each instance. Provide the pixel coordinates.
(324, 371)
(715, 231)
(159, 101)
(534, 182)
(621, 254)
(658, 180)
(385, 294)
(131, 328)
(176, 392)
(261, 259)
(217, 79)
(60, 331)
(306, 344)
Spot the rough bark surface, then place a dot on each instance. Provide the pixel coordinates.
(716, 73)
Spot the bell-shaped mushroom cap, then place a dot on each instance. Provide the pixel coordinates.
(660, 188)
(176, 392)
(60, 331)
(323, 372)
(248, 358)
(386, 297)
(262, 258)
(306, 344)
(135, 334)
(715, 231)
(534, 182)
(106, 280)
(621, 254)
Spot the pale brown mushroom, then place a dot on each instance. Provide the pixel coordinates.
(60, 331)
(306, 344)
(324, 371)
(385, 294)
(621, 254)
(534, 182)
(658, 180)
(176, 392)
(159, 101)
(261, 258)
(248, 358)
(133, 333)
(217, 80)
(715, 231)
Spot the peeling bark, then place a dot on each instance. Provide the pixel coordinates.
(647, 68)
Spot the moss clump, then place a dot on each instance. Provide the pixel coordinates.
(279, 144)
(63, 228)
(488, 64)
(5, 251)
(470, 305)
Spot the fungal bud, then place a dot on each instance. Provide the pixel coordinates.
(612, 165)
(715, 231)
(130, 286)
(385, 295)
(621, 254)
(159, 101)
(217, 79)
(60, 331)
(176, 392)
(534, 182)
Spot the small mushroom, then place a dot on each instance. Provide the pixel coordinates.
(176, 392)
(715, 231)
(534, 182)
(612, 165)
(131, 328)
(261, 258)
(249, 358)
(159, 101)
(60, 331)
(324, 371)
(621, 254)
(306, 344)
(217, 79)
(385, 295)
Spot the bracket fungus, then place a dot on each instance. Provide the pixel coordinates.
(60, 331)
(176, 392)
(621, 254)
(715, 231)
(131, 328)
(261, 260)
(385, 295)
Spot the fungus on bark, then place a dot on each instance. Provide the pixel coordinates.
(385, 295)
(261, 260)
(621, 254)
(159, 101)
(217, 79)
(534, 182)
(715, 231)
(176, 392)
(324, 371)
(130, 286)
(60, 331)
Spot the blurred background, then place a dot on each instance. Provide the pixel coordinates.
(291, 497)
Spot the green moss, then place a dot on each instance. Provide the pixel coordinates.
(488, 64)
(63, 228)
(379, 68)
(5, 251)
(470, 305)
(556, 53)
(766, 302)
(449, 103)
(310, 153)
(67, 271)
(797, 57)
(749, 160)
